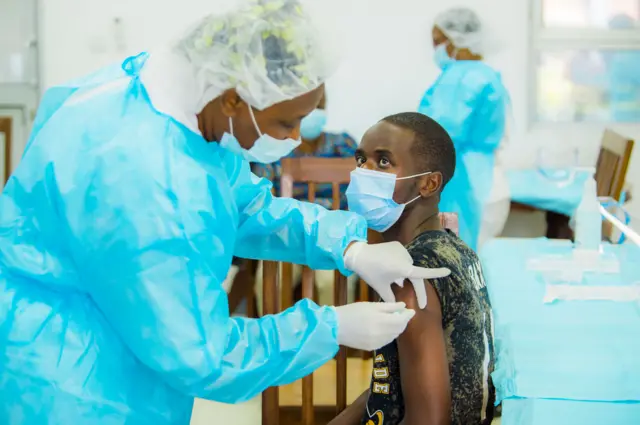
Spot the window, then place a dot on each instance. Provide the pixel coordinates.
(586, 60)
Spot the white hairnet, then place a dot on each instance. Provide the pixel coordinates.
(268, 50)
(463, 27)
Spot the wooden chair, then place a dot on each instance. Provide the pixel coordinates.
(613, 163)
(611, 169)
(5, 128)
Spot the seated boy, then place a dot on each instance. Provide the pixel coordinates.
(438, 371)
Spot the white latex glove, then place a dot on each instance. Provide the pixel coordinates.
(369, 326)
(381, 265)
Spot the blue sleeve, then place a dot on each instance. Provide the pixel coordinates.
(152, 237)
(471, 105)
(452, 107)
(283, 229)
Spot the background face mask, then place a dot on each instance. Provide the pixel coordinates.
(370, 194)
(441, 57)
(265, 150)
(313, 124)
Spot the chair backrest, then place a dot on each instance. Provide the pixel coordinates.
(612, 165)
(611, 170)
(5, 128)
(312, 170)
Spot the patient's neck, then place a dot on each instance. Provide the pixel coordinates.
(421, 218)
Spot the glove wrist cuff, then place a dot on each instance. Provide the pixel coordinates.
(350, 256)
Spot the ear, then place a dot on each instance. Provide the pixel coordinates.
(430, 184)
(231, 102)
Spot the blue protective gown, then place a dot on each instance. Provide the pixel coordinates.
(116, 231)
(469, 100)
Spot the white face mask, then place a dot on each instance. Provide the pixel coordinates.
(265, 150)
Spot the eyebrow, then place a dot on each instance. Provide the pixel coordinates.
(381, 151)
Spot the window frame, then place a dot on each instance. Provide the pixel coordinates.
(561, 39)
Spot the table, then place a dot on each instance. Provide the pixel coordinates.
(531, 187)
(568, 350)
(531, 190)
(525, 411)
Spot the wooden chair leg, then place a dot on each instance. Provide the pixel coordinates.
(340, 296)
(307, 382)
(270, 296)
(287, 285)
(364, 296)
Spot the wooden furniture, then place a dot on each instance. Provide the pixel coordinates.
(613, 163)
(611, 169)
(5, 128)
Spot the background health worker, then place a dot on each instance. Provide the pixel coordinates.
(120, 223)
(469, 100)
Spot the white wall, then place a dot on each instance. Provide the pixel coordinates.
(387, 68)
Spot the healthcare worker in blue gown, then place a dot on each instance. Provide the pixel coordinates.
(469, 100)
(119, 225)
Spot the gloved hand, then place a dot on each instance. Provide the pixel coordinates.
(381, 265)
(369, 326)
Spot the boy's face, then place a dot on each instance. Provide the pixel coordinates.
(387, 148)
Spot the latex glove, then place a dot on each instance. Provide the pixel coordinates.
(369, 326)
(381, 265)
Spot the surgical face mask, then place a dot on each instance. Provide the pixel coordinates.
(265, 150)
(441, 57)
(313, 125)
(370, 194)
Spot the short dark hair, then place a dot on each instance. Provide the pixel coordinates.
(432, 145)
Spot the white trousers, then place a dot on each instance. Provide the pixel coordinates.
(495, 211)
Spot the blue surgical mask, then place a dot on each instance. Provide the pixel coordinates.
(265, 150)
(370, 194)
(441, 57)
(313, 124)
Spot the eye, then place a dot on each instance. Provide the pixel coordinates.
(288, 125)
(360, 160)
(384, 162)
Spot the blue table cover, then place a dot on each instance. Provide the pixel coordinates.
(567, 412)
(579, 350)
(531, 187)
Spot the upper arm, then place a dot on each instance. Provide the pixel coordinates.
(424, 367)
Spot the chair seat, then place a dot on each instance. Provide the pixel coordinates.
(324, 384)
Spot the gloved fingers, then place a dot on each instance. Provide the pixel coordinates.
(423, 273)
(399, 282)
(421, 292)
(386, 293)
(391, 307)
(395, 324)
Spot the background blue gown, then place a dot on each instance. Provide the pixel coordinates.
(469, 100)
(116, 231)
